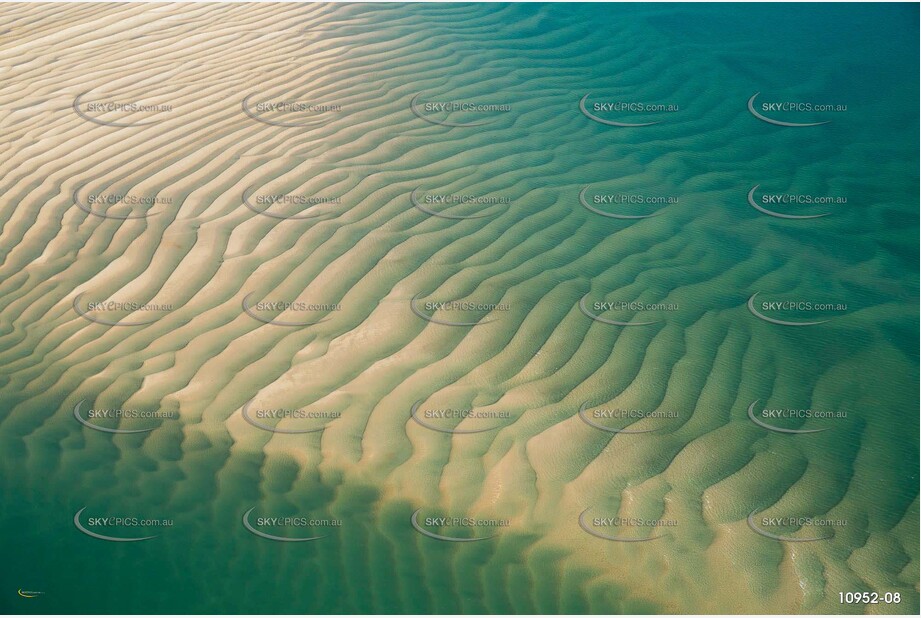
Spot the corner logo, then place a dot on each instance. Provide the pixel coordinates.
(29, 594)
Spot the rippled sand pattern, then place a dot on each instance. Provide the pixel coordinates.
(205, 153)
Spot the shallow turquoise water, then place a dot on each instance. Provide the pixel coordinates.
(708, 253)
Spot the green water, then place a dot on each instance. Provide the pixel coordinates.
(707, 253)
